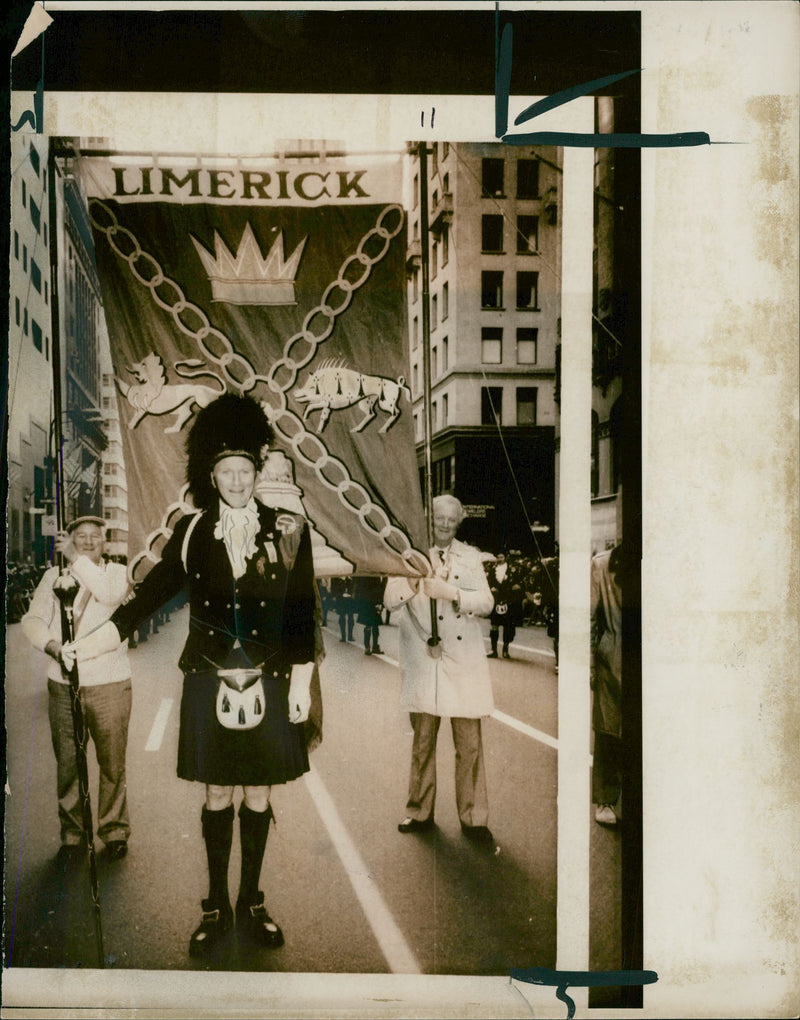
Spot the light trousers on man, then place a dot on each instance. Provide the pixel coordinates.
(471, 797)
(106, 711)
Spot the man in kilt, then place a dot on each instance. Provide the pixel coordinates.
(248, 657)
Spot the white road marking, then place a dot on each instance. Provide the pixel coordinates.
(159, 725)
(394, 947)
(529, 731)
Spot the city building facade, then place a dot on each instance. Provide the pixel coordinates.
(494, 257)
(29, 409)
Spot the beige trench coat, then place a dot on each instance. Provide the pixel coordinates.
(457, 684)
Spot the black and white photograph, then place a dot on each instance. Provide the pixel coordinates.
(383, 634)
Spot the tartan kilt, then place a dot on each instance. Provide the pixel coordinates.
(271, 753)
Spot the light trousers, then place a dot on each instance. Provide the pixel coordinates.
(471, 797)
(106, 711)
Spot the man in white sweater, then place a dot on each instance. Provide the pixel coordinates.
(105, 686)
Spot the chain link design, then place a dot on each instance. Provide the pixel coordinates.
(298, 352)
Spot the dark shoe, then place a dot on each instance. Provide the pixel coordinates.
(477, 834)
(255, 924)
(116, 849)
(213, 926)
(492, 655)
(68, 856)
(367, 651)
(341, 639)
(377, 650)
(506, 655)
(415, 825)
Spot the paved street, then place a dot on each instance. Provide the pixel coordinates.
(352, 894)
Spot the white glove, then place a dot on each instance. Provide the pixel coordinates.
(97, 642)
(436, 588)
(300, 692)
(67, 656)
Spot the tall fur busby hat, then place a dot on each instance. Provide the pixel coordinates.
(229, 426)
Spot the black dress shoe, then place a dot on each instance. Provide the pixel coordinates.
(477, 834)
(415, 825)
(116, 849)
(215, 922)
(377, 650)
(492, 655)
(256, 925)
(68, 856)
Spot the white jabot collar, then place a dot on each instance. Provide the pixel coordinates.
(238, 527)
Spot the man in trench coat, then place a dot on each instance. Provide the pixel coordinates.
(454, 683)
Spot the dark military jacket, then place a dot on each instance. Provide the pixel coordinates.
(267, 615)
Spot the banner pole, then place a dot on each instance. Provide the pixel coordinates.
(66, 595)
(422, 151)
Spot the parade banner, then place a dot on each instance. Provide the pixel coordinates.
(283, 279)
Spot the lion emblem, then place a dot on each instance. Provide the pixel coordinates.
(151, 394)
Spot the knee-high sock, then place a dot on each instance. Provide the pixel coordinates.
(218, 834)
(253, 831)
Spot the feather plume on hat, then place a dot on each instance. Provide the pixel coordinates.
(230, 426)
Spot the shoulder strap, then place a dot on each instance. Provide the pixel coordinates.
(186, 537)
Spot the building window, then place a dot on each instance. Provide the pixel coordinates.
(34, 157)
(434, 259)
(36, 276)
(445, 404)
(45, 291)
(24, 194)
(445, 149)
(445, 301)
(528, 290)
(527, 346)
(36, 216)
(414, 197)
(16, 310)
(492, 345)
(526, 405)
(16, 245)
(492, 233)
(47, 347)
(435, 415)
(415, 371)
(491, 405)
(445, 355)
(415, 334)
(415, 285)
(434, 311)
(434, 362)
(527, 178)
(527, 235)
(36, 333)
(25, 322)
(25, 257)
(492, 177)
(446, 184)
(445, 244)
(491, 289)
(44, 233)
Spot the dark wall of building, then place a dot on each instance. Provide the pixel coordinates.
(507, 484)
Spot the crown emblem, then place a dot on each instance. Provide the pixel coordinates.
(247, 278)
